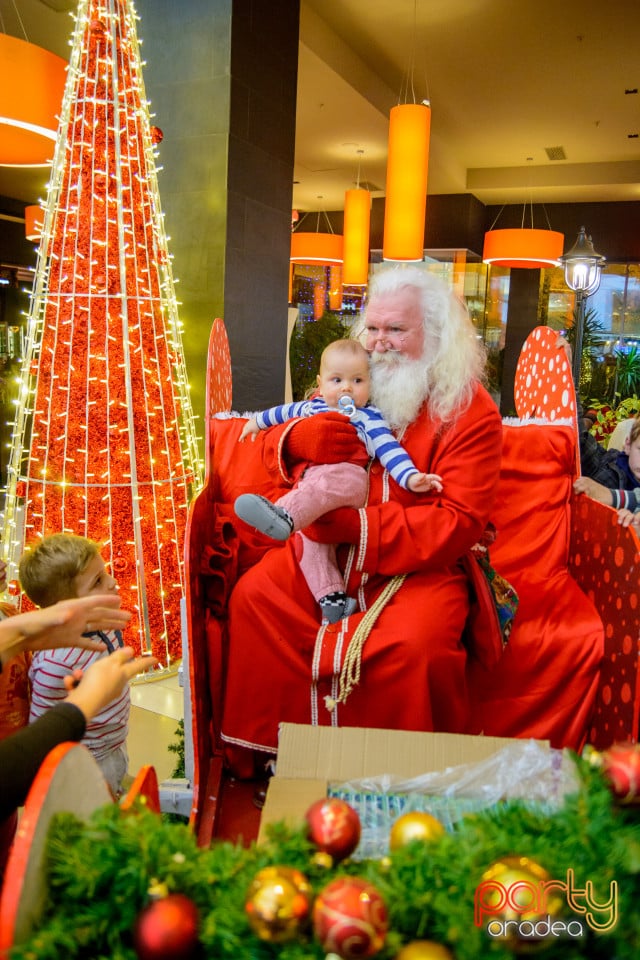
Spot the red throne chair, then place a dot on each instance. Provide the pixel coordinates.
(575, 570)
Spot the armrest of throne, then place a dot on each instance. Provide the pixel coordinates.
(217, 549)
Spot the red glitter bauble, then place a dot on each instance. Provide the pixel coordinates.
(97, 27)
(13, 588)
(621, 768)
(157, 136)
(118, 564)
(350, 918)
(167, 929)
(21, 489)
(333, 826)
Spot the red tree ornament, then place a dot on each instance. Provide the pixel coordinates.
(621, 768)
(334, 827)
(167, 929)
(157, 136)
(350, 918)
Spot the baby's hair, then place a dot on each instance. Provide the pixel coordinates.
(634, 432)
(349, 346)
(47, 569)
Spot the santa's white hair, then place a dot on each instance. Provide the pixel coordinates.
(453, 359)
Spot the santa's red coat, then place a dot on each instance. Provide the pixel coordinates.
(282, 665)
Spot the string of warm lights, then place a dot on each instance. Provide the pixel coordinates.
(104, 442)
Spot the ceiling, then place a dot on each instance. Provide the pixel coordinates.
(512, 85)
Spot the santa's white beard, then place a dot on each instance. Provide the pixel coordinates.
(399, 387)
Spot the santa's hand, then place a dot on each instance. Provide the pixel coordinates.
(337, 526)
(324, 438)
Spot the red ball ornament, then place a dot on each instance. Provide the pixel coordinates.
(119, 564)
(621, 768)
(167, 929)
(21, 488)
(350, 918)
(157, 136)
(333, 826)
(97, 27)
(13, 588)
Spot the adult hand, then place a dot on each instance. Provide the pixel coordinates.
(62, 625)
(105, 678)
(563, 344)
(337, 526)
(594, 490)
(324, 438)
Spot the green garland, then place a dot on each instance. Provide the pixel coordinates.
(99, 874)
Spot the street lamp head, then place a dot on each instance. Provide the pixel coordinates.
(582, 265)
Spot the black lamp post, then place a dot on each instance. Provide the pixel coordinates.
(582, 272)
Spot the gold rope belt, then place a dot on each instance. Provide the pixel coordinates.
(350, 673)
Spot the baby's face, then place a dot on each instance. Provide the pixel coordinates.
(94, 579)
(344, 374)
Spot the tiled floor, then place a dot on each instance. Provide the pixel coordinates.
(156, 707)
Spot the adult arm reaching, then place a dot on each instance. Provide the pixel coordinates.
(22, 753)
(61, 625)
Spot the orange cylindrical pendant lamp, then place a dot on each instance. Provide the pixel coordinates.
(357, 221)
(523, 248)
(335, 287)
(32, 83)
(406, 193)
(33, 222)
(323, 248)
(319, 299)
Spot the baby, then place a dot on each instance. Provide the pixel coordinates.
(344, 385)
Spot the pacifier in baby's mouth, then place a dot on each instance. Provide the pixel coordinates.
(346, 405)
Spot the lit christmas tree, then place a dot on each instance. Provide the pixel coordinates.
(104, 443)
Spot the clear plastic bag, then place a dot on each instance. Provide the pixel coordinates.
(525, 770)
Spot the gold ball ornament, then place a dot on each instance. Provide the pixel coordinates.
(322, 860)
(424, 950)
(278, 903)
(512, 904)
(414, 826)
(157, 890)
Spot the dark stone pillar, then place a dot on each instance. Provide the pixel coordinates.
(522, 317)
(221, 79)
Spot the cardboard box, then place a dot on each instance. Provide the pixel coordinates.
(309, 758)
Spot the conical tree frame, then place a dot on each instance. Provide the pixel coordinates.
(104, 443)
